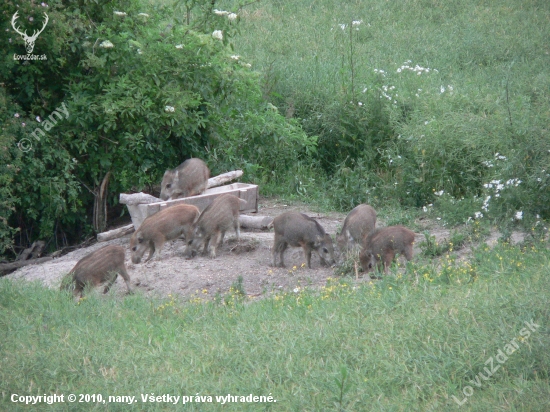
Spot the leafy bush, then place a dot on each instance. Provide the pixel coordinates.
(143, 88)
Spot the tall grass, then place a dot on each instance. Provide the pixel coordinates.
(405, 343)
(476, 87)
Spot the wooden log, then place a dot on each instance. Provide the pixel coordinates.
(255, 222)
(5, 268)
(115, 233)
(224, 178)
(32, 252)
(137, 198)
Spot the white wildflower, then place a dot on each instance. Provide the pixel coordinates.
(235, 57)
(220, 12)
(217, 34)
(442, 89)
(143, 14)
(439, 193)
(38, 119)
(356, 22)
(425, 209)
(16, 115)
(247, 65)
(365, 89)
(342, 26)
(519, 215)
(360, 104)
(231, 16)
(296, 290)
(120, 13)
(106, 44)
(168, 109)
(139, 51)
(478, 215)
(179, 46)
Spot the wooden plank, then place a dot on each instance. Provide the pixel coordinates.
(245, 191)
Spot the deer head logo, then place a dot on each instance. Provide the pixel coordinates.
(29, 40)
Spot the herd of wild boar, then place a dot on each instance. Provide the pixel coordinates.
(206, 230)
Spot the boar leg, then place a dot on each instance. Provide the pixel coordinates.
(307, 252)
(126, 278)
(214, 241)
(388, 258)
(111, 278)
(409, 252)
(279, 247)
(151, 251)
(237, 228)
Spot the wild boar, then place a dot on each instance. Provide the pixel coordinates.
(383, 244)
(167, 224)
(296, 229)
(103, 265)
(188, 179)
(357, 225)
(221, 215)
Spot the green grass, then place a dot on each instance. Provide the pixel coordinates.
(405, 343)
(429, 137)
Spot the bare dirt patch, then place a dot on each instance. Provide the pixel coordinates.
(173, 274)
(250, 258)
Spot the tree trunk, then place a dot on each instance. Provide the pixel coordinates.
(100, 205)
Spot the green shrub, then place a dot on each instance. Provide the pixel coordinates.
(144, 88)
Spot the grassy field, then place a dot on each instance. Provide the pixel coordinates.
(404, 343)
(410, 98)
(407, 99)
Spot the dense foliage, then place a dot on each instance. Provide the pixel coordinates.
(139, 89)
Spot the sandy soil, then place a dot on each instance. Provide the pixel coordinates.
(250, 258)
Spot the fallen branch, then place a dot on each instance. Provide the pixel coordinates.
(5, 268)
(115, 233)
(32, 252)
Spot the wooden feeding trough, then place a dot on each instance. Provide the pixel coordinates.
(248, 192)
(141, 205)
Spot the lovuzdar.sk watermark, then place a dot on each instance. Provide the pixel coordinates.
(501, 357)
(29, 40)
